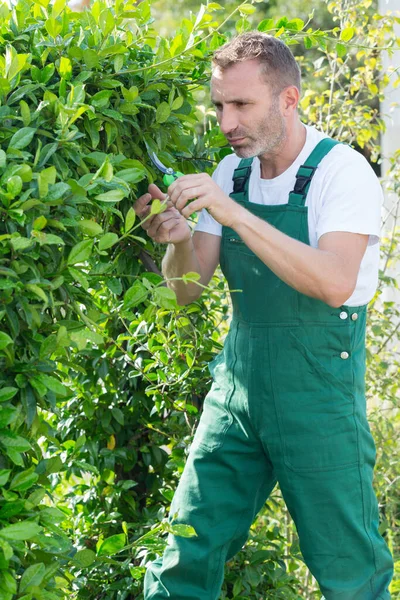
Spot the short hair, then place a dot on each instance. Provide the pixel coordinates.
(279, 66)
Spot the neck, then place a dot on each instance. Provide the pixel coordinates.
(275, 162)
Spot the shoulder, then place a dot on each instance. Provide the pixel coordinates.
(226, 167)
(344, 160)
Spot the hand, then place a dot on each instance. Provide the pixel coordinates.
(206, 194)
(167, 227)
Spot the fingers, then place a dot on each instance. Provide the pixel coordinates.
(155, 192)
(141, 204)
(195, 206)
(185, 195)
(161, 232)
(153, 224)
(188, 187)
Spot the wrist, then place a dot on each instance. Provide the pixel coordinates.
(183, 245)
(238, 216)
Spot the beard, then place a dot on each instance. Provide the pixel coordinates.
(266, 137)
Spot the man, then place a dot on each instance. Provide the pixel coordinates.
(296, 229)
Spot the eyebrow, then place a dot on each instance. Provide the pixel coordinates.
(234, 101)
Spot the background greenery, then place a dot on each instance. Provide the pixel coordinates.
(102, 375)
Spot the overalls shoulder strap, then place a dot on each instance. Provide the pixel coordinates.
(306, 172)
(241, 178)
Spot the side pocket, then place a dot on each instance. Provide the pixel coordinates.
(315, 406)
(330, 376)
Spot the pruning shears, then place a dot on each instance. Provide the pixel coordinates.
(169, 174)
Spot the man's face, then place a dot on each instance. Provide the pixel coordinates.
(248, 114)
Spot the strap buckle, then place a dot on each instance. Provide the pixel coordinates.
(302, 181)
(239, 183)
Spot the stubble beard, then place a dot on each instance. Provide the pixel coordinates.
(272, 135)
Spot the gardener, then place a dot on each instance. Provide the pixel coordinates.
(296, 228)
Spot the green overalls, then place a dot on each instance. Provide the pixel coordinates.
(287, 405)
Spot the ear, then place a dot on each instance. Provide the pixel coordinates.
(289, 100)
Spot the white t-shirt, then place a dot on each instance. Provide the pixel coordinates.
(344, 195)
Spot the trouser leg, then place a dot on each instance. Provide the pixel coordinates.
(224, 484)
(336, 516)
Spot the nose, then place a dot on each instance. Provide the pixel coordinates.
(228, 121)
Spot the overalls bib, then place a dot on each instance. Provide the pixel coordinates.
(287, 405)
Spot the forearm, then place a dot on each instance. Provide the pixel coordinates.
(178, 260)
(311, 271)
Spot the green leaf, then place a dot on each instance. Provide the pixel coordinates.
(158, 206)
(25, 113)
(131, 175)
(108, 240)
(112, 545)
(165, 297)
(81, 252)
(25, 530)
(49, 175)
(186, 531)
(347, 34)
(53, 384)
(84, 558)
(4, 476)
(3, 159)
(189, 358)
(295, 25)
(79, 277)
(18, 63)
(23, 481)
(65, 68)
(8, 415)
(191, 276)
(9, 439)
(101, 99)
(48, 239)
(5, 340)
(341, 50)
(247, 9)
(53, 27)
(38, 291)
(135, 295)
(131, 94)
(163, 112)
(90, 227)
(8, 585)
(6, 393)
(90, 58)
(130, 219)
(58, 7)
(111, 196)
(22, 138)
(177, 103)
(40, 223)
(118, 415)
(14, 186)
(32, 576)
(20, 243)
(307, 42)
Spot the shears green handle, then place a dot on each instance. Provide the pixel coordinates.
(170, 178)
(169, 174)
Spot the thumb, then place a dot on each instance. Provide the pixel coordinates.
(155, 192)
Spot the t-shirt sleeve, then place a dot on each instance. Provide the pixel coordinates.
(351, 197)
